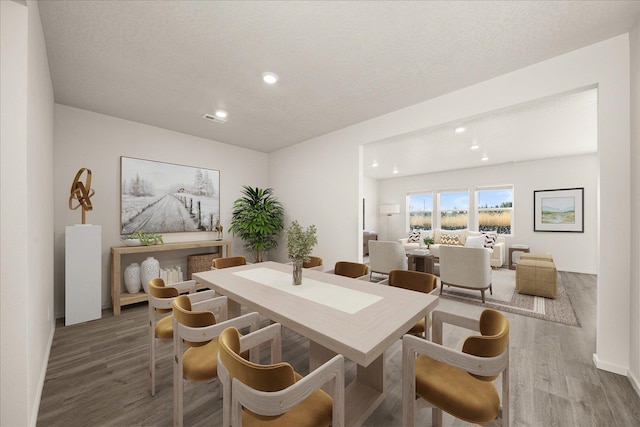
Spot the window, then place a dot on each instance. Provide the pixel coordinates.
(454, 210)
(420, 211)
(495, 209)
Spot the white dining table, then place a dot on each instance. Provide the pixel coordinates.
(339, 315)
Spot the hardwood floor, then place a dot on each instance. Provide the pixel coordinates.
(97, 374)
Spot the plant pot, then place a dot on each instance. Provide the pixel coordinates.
(297, 272)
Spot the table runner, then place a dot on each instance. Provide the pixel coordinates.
(344, 299)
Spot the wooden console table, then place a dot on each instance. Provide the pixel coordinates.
(119, 298)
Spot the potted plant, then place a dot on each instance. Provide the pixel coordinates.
(428, 241)
(300, 243)
(257, 218)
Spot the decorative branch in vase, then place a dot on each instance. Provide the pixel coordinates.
(300, 243)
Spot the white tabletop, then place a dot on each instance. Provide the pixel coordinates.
(360, 334)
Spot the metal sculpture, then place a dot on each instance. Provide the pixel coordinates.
(82, 192)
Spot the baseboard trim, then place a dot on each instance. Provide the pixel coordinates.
(620, 370)
(43, 375)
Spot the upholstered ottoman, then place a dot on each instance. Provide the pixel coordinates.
(537, 277)
(538, 257)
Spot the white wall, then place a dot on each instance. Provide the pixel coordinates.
(26, 223)
(634, 365)
(371, 205)
(571, 251)
(319, 184)
(327, 166)
(96, 141)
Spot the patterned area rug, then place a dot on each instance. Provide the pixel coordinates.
(505, 298)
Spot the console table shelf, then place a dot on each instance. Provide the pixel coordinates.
(120, 298)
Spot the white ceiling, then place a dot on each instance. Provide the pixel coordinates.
(167, 63)
(561, 126)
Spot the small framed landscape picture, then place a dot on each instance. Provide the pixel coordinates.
(559, 210)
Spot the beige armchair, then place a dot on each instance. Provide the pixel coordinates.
(458, 382)
(386, 256)
(274, 394)
(468, 268)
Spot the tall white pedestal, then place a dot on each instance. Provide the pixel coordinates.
(83, 273)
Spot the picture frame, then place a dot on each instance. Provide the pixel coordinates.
(560, 210)
(159, 197)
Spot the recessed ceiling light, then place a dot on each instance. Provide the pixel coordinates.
(221, 114)
(460, 129)
(474, 147)
(484, 158)
(395, 170)
(374, 164)
(215, 117)
(270, 78)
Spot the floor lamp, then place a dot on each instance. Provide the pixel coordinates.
(389, 210)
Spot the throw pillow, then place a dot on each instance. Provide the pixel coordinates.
(449, 239)
(489, 239)
(475, 242)
(414, 236)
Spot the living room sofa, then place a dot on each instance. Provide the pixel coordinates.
(459, 238)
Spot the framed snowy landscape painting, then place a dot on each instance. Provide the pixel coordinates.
(158, 197)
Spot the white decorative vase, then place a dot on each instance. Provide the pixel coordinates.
(132, 278)
(149, 269)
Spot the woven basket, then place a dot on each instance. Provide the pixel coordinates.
(199, 262)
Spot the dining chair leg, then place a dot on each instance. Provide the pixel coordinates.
(177, 382)
(436, 417)
(152, 355)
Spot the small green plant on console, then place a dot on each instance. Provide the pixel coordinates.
(148, 239)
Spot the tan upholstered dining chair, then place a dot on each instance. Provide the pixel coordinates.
(314, 262)
(160, 320)
(274, 394)
(232, 261)
(414, 281)
(458, 382)
(355, 270)
(196, 326)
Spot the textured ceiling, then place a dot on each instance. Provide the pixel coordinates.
(166, 63)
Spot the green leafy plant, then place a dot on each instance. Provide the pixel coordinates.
(300, 242)
(147, 239)
(428, 241)
(257, 218)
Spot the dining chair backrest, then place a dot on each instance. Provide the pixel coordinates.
(493, 338)
(351, 269)
(194, 319)
(268, 378)
(413, 280)
(314, 261)
(227, 262)
(158, 289)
